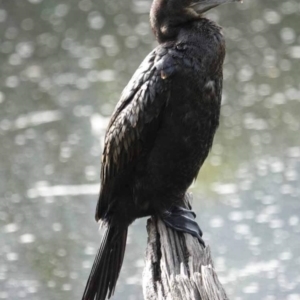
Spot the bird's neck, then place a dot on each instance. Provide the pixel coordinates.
(167, 18)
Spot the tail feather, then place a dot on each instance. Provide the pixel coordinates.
(107, 265)
(118, 262)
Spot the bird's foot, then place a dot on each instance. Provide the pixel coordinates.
(182, 219)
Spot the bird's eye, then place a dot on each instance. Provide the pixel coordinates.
(181, 47)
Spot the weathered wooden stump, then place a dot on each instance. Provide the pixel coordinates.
(178, 267)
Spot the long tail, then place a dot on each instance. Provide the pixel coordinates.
(107, 264)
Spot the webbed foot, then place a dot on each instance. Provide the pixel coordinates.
(183, 219)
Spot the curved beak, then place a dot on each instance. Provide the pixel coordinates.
(202, 6)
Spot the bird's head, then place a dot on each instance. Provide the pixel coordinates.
(167, 16)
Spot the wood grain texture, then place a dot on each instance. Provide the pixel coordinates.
(178, 267)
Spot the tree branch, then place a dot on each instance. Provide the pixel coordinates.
(178, 267)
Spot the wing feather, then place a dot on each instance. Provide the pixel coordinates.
(142, 101)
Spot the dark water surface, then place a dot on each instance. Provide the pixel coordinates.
(63, 66)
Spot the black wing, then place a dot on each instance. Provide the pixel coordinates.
(142, 101)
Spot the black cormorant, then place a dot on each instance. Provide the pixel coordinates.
(160, 132)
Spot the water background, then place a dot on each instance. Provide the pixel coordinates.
(63, 67)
